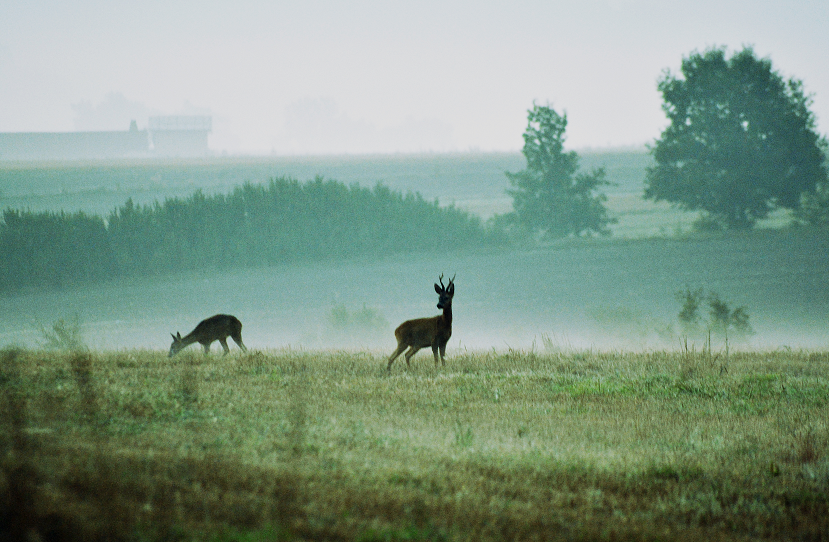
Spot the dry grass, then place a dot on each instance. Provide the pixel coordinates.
(291, 445)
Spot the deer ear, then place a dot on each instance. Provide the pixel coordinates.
(173, 336)
(438, 289)
(178, 335)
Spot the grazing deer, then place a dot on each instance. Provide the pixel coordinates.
(215, 328)
(422, 332)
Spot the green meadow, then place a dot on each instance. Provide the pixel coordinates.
(325, 445)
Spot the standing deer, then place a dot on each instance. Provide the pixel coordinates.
(422, 332)
(215, 328)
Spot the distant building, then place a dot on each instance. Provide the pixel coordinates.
(184, 136)
(73, 145)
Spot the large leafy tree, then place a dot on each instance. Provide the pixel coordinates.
(741, 140)
(549, 196)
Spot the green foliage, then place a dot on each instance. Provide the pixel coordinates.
(53, 249)
(366, 319)
(741, 140)
(64, 335)
(721, 318)
(549, 196)
(814, 207)
(283, 221)
(705, 223)
(689, 315)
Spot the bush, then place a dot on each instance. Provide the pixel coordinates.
(64, 335)
(721, 318)
(283, 221)
(53, 249)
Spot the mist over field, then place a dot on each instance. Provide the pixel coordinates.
(613, 293)
(597, 295)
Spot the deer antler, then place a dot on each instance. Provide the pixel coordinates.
(440, 279)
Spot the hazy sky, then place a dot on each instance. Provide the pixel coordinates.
(381, 76)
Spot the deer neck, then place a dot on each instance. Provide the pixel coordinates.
(447, 315)
(189, 339)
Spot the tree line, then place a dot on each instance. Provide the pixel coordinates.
(741, 142)
(282, 221)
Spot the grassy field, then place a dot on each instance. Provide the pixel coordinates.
(324, 445)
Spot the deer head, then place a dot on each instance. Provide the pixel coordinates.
(177, 346)
(445, 292)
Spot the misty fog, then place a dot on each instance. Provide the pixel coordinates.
(612, 293)
(593, 295)
(428, 76)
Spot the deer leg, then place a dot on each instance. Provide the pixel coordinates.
(225, 347)
(435, 353)
(397, 352)
(442, 356)
(412, 351)
(206, 347)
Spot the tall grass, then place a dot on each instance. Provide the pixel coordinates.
(514, 445)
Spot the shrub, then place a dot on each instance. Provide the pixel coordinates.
(721, 318)
(283, 221)
(64, 335)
